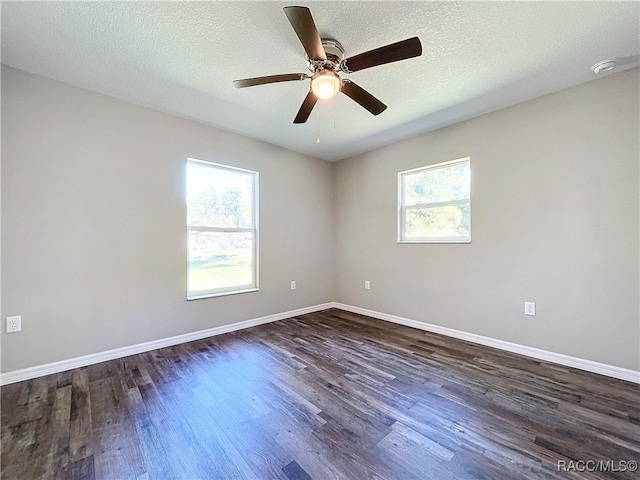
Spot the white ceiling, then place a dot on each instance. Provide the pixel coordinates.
(181, 58)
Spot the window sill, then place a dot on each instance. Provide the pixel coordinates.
(220, 294)
(437, 240)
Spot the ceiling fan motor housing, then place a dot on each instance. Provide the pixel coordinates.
(334, 52)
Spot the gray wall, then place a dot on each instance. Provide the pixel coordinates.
(93, 223)
(93, 244)
(555, 209)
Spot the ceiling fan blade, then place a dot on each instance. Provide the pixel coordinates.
(305, 110)
(364, 98)
(390, 53)
(302, 22)
(286, 77)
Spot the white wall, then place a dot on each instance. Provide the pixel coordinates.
(93, 223)
(555, 208)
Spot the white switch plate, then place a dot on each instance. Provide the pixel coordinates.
(14, 324)
(367, 285)
(530, 308)
(293, 284)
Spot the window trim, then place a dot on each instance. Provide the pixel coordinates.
(255, 274)
(402, 208)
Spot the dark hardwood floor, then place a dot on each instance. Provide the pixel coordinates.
(325, 395)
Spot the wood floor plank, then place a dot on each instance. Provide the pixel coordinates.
(327, 395)
(79, 445)
(318, 459)
(156, 461)
(83, 469)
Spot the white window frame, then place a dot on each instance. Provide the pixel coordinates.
(402, 208)
(254, 286)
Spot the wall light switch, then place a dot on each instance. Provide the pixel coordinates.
(367, 285)
(293, 284)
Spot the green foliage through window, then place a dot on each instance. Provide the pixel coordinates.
(435, 203)
(221, 222)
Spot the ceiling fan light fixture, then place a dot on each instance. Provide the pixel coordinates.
(325, 84)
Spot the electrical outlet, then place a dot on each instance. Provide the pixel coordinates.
(530, 308)
(367, 285)
(14, 324)
(293, 284)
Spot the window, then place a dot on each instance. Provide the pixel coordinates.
(434, 204)
(222, 221)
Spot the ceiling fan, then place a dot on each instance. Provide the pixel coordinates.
(325, 59)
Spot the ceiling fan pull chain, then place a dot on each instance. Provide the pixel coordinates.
(318, 126)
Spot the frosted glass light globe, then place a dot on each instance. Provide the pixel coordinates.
(325, 84)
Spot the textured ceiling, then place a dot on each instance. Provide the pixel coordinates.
(181, 58)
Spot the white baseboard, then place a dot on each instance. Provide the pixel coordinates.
(559, 358)
(85, 360)
(566, 360)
